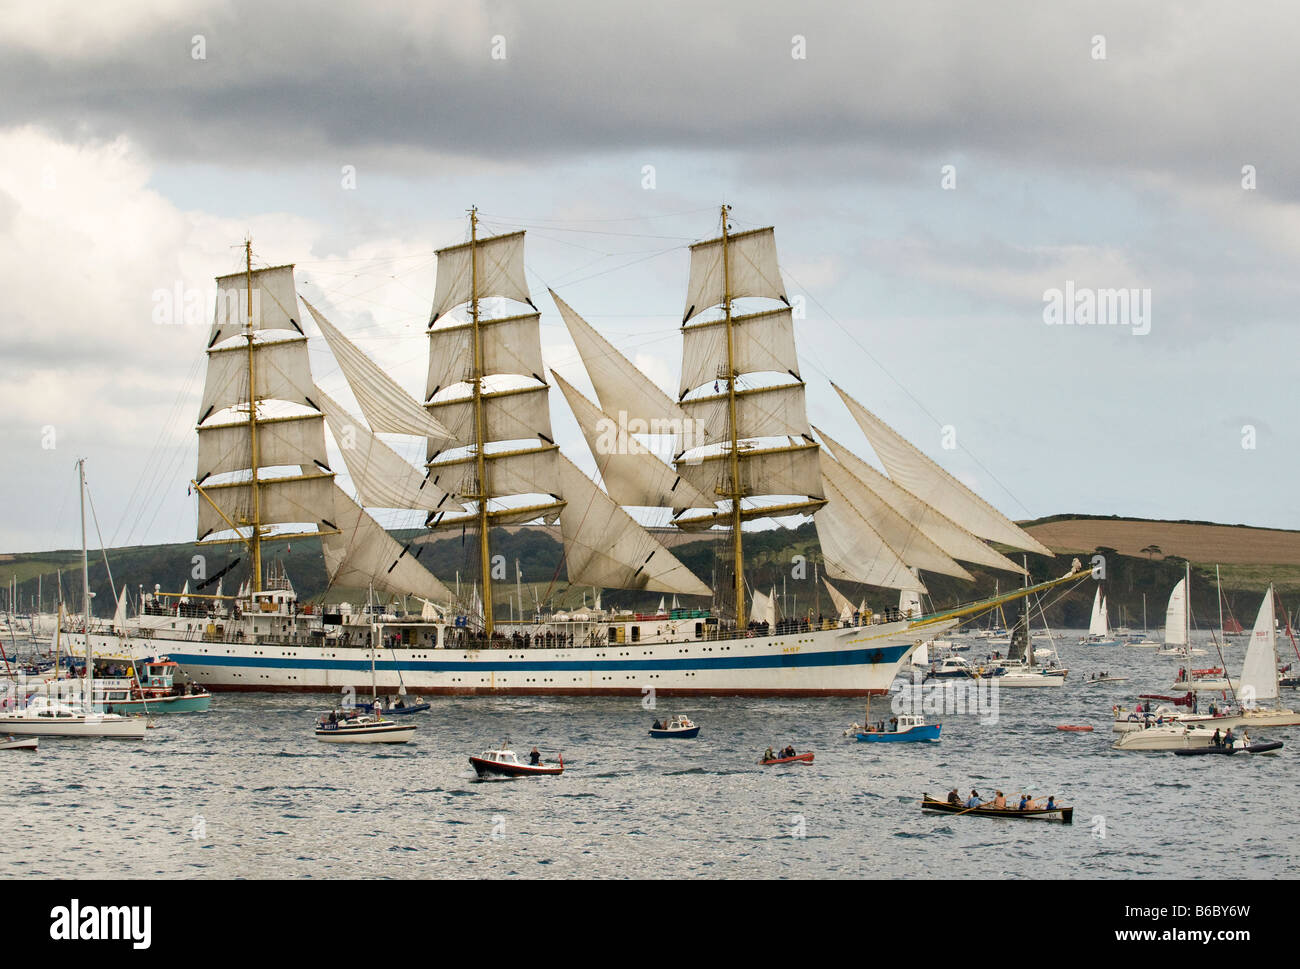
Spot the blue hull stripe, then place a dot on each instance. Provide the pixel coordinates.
(853, 657)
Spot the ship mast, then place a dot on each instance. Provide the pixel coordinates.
(255, 544)
(480, 430)
(737, 541)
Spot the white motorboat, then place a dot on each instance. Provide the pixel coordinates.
(1175, 737)
(43, 717)
(19, 743)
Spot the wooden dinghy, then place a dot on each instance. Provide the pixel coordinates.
(1062, 814)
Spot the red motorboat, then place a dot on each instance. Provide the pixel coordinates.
(796, 759)
(504, 763)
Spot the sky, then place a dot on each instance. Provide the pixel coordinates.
(935, 171)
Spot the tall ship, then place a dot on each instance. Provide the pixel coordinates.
(743, 453)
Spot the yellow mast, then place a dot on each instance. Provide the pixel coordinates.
(735, 493)
(256, 542)
(480, 431)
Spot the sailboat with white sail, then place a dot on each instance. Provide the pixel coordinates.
(1178, 641)
(1099, 633)
(744, 453)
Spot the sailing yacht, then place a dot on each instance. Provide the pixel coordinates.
(1099, 625)
(1259, 677)
(82, 716)
(744, 452)
(1178, 641)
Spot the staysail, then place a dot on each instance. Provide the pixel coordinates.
(911, 469)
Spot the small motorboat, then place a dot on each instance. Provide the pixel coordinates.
(796, 759)
(678, 726)
(1239, 747)
(504, 763)
(1092, 680)
(1059, 813)
(11, 742)
(351, 727)
(902, 729)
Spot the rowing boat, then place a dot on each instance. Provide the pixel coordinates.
(1062, 814)
(796, 759)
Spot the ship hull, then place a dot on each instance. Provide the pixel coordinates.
(855, 661)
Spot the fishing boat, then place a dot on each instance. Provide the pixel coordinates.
(126, 685)
(748, 455)
(19, 743)
(678, 726)
(502, 762)
(796, 759)
(905, 728)
(1058, 813)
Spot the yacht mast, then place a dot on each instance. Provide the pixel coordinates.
(734, 491)
(255, 544)
(480, 431)
(85, 586)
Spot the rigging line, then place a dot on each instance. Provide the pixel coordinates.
(905, 390)
(562, 282)
(173, 416)
(681, 241)
(103, 550)
(627, 218)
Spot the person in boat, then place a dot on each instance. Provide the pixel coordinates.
(1228, 738)
(974, 800)
(788, 752)
(657, 725)
(1000, 801)
(1217, 739)
(954, 798)
(534, 757)
(1026, 803)
(1051, 803)
(768, 755)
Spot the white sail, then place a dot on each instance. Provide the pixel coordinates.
(275, 303)
(1175, 615)
(843, 607)
(1259, 671)
(508, 415)
(362, 554)
(296, 441)
(751, 270)
(760, 342)
(119, 614)
(760, 412)
(519, 472)
(1097, 621)
(787, 470)
(510, 345)
(763, 608)
(909, 603)
(854, 550)
(911, 469)
(900, 535)
(956, 541)
(498, 270)
(282, 370)
(604, 546)
(621, 387)
(296, 499)
(382, 477)
(385, 405)
(632, 473)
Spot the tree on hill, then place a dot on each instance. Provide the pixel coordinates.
(1152, 550)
